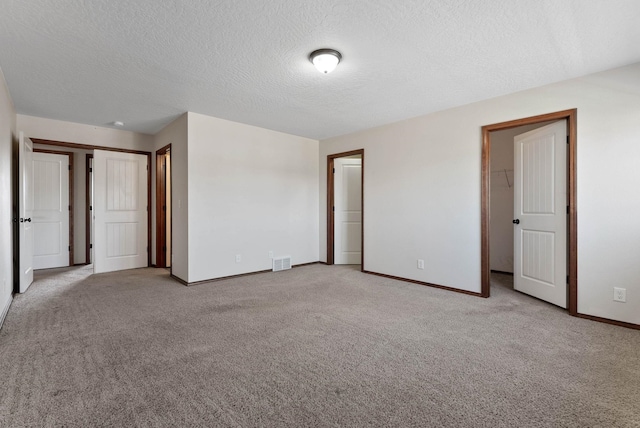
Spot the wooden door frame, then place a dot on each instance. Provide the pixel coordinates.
(572, 230)
(161, 214)
(330, 205)
(71, 193)
(113, 149)
(89, 206)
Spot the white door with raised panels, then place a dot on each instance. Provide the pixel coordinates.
(50, 210)
(25, 208)
(348, 211)
(540, 219)
(120, 211)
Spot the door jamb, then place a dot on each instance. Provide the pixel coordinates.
(89, 206)
(161, 214)
(572, 230)
(330, 205)
(71, 193)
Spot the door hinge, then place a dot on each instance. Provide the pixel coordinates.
(69, 167)
(334, 170)
(90, 208)
(69, 247)
(567, 139)
(164, 208)
(69, 207)
(334, 209)
(90, 169)
(90, 246)
(567, 209)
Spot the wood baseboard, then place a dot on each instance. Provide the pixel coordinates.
(609, 321)
(501, 272)
(427, 284)
(189, 284)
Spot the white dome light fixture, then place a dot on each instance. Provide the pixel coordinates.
(325, 60)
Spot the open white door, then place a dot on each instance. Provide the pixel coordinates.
(120, 211)
(348, 211)
(50, 210)
(540, 201)
(25, 174)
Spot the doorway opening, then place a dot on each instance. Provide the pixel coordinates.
(345, 208)
(163, 208)
(568, 118)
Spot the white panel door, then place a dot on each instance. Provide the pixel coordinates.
(348, 211)
(25, 196)
(120, 211)
(540, 201)
(50, 210)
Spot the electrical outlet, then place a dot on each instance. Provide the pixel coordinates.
(238, 258)
(420, 264)
(619, 294)
(270, 254)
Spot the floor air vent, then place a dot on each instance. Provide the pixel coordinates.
(281, 263)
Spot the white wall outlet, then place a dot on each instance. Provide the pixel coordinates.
(619, 294)
(420, 264)
(270, 254)
(238, 258)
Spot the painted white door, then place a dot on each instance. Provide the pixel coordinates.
(540, 219)
(348, 211)
(50, 210)
(25, 196)
(120, 211)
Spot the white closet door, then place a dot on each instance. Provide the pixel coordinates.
(50, 210)
(540, 201)
(120, 211)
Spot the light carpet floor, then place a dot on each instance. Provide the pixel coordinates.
(311, 347)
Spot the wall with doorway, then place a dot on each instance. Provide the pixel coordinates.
(501, 244)
(251, 191)
(422, 188)
(56, 130)
(8, 136)
(175, 134)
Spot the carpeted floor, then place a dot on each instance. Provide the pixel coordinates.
(310, 347)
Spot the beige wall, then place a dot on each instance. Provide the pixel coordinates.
(7, 140)
(422, 188)
(251, 191)
(69, 132)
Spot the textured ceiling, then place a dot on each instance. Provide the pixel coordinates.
(145, 62)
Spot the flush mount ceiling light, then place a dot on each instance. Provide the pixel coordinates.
(118, 123)
(325, 60)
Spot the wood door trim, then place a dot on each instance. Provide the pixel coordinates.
(572, 240)
(113, 149)
(71, 193)
(330, 203)
(88, 206)
(161, 215)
